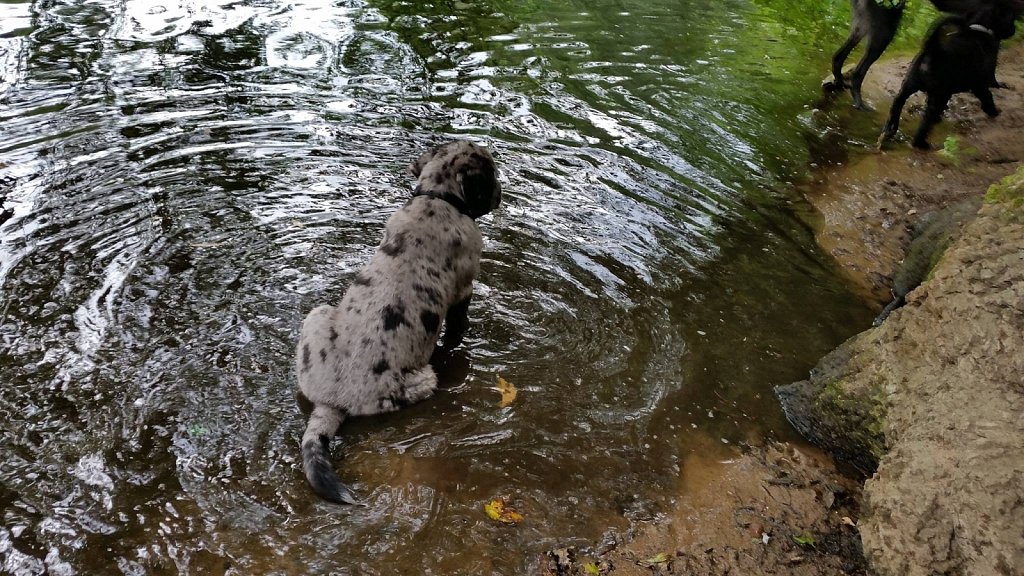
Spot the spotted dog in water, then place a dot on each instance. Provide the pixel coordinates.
(370, 353)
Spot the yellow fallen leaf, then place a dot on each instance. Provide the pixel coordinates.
(591, 568)
(508, 391)
(497, 510)
(654, 561)
(494, 509)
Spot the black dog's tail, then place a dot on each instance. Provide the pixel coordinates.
(896, 303)
(316, 460)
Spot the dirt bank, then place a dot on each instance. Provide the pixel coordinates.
(939, 385)
(932, 398)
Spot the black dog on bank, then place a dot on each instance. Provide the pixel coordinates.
(959, 55)
(878, 21)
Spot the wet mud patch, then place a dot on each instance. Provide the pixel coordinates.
(775, 508)
(867, 205)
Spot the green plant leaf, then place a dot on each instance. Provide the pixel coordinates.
(804, 540)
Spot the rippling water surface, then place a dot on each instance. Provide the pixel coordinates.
(181, 181)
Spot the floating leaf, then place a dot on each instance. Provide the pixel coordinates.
(848, 521)
(508, 391)
(498, 510)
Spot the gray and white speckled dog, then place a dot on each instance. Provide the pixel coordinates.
(370, 353)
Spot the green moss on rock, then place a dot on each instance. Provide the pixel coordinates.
(863, 411)
(1008, 192)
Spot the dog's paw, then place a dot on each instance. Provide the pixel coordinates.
(830, 85)
(420, 384)
(884, 138)
(862, 106)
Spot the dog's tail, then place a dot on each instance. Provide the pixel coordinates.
(896, 303)
(316, 460)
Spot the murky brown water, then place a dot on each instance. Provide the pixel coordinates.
(182, 181)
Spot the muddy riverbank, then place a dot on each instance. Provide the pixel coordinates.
(923, 406)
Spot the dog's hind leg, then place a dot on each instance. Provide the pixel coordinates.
(988, 104)
(882, 24)
(838, 83)
(877, 43)
(933, 111)
(909, 88)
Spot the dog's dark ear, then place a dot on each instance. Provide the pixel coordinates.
(480, 188)
(417, 165)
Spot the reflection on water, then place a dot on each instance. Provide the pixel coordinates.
(182, 181)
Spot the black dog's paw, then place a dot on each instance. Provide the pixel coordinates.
(921, 145)
(884, 139)
(832, 84)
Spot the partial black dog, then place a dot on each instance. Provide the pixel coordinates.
(878, 21)
(959, 55)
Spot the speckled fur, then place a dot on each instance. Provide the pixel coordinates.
(370, 353)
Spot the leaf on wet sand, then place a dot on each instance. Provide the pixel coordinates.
(499, 510)
(804, 540)
(508, 391)
(654, 561)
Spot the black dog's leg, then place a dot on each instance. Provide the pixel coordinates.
(988, 104)
(883, 23)
(994, 82)
(456, 321)
(932, 115)
(909, 88)
(838, 83)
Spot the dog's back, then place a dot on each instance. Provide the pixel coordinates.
(370, 353)
(355, 354)
(955, 57)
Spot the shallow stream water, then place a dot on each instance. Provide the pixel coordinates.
(181, 181)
